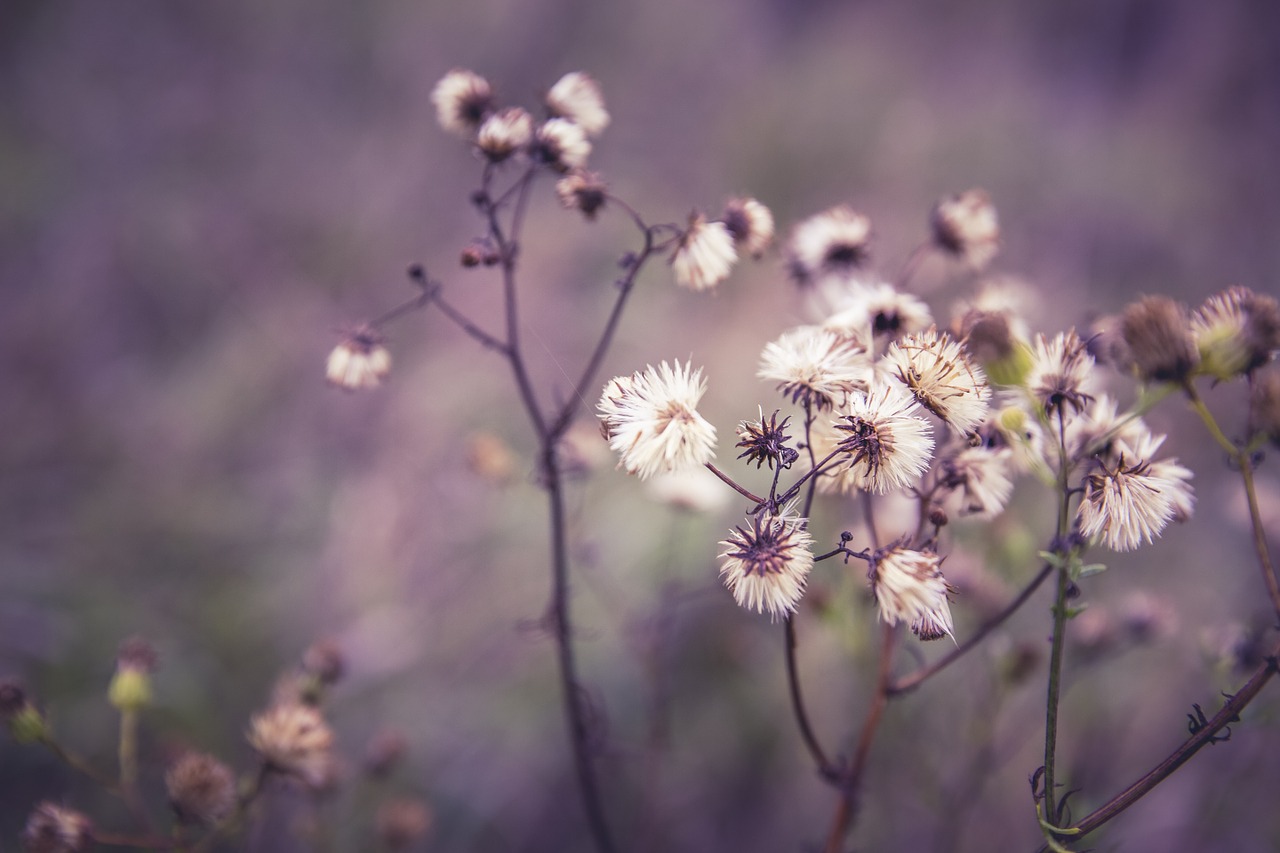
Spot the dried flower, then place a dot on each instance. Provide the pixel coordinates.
(360, 362)
(577, 98)
(504, 133)
(402, 821)
(966, 225)
(979, 477)
(833, 241)
(867, 311)
(766, 442)
(909, 587)
(704, 254)
(767, 564)
(1159, 338)
(202, 790)
(54, 829)
(652, 422)
(936, 370)
(1125, 505)
(814, 367)
(582, 190)
(751, 225)
(294, 738)
(888, 445)
(1061, 373)
(1235, 332)
(462, 99)
(561, 144)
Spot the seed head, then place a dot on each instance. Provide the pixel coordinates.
(815, 367)
(751, 225)
(651, 420)
(704, 255)
(504, 133)
(462, 99)
(887, 445)
(832, 242)
(766, 442)
(966, 225)
(909, 587)
(54, 829)
(360, 362)
(561, 144)
(577, 98)
(1159, 337)
(201, 788)
(1235, 332)
(584, 191)
(294, 739)
(766, 564)
(943, 379)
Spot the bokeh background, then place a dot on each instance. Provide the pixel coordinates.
(195, 196)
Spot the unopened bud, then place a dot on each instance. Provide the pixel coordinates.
(130, 688)
(1160, 341)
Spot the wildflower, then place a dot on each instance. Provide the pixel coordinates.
(130, 688)
(402, 821)
(979, 476)
(577, 98)
(887, 445)
(561, 144)
(936, 370)
(582, 190)
(766, 566)
(766, 442)
(877, 310)
(462, 99)
(651, 420)
(1100, 430)
(989, 339)
(1125, 505)
(202, 790)
(1174, 479)
(293, 738)
(54, 829)
(1235, 332)
(1159, 338)
(1061, 370)
(751, 225)
(704, 254)
(834, 241)
(909, 587)
(814, 367)
(25, 722)
(966, 226)
(504, 133)
(360, 362)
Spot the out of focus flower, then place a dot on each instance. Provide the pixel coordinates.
(704, 254)
(577, 97)
(909, 587)
(294, 739)
(814, 367)
(1235, 332)
(979, 478)
(561, 144)
(490, 457)
(937, 371)
(1126, 505)
(1158, 334)
(583, 191)
(652, 422)
(402, 821)
(834, 241)
(751, 225)
(462, 99)
(130, 688)
(867, 311)
(504, 133)
(966, 225)
(54, 829)
(691, 490)
(360, 362)
(767, 563)
(1061, 373)
(202, 790)
(886, 444)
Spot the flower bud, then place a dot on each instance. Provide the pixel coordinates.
(130, 688)
(1160, 340)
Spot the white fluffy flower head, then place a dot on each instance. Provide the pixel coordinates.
(814, 366)
(704, 255)
(652, 422)
(766, 564)
(833, 241)
(577, 97)
(886, 444)
(462, 100)
(943, 379)
(909, 587)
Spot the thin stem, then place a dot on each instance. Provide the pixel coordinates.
(1054, 692)
(459, 319)
(910, 682)
(825, 767)
(77, 763)
(729, 481)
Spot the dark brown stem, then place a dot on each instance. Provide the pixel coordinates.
(825, 767)
(910, 682)
(729, 481)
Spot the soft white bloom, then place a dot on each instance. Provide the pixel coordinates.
(462, 99)
(750, 223)
(359, 363)
(942, 378)
(562, 145)
(1061, 372)
(652, 423)
(294, 738)
(1100, 430)
(584, 191)
(979, 478)
(504, 133)
(833, 241)
(577, 97)
(1126, 505)
(1173, 479)
(766, 564)
(967, 226)
(814, 367)
(887, 445)
(705, 254)
(867, 311)
(909, 587)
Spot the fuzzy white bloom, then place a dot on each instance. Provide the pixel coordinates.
(833, 241)
(358, 363)
(294, 738)
(942, 378)
(577, 97)
(1061, 372)
(561, 144)
(875, 310)
(887, 445)
(1174, 479)
(704, 255)
(766, 564)
(462, 100)
(504, 133)
(652, 422)
(750, 223)
(1235, 331)
(1100, 430)
(1127, 505)
(979, 479)
(814, 367)
(584, 191)
(909, 587)
(967, 226)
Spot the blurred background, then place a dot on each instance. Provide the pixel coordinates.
(196, 197)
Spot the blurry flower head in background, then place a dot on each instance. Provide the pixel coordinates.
(704, 255)
(360, 362)
(833, 242)
(966, 225)
(577, 97)
(462, 100)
